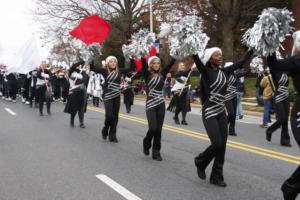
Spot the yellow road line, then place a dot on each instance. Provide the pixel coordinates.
(230, 143)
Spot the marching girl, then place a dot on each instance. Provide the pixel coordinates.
(231, 97)
(155, 104)
(180, 90)
(76, 101)
(111, 96)
(42, 85)
(213, 97)
(128, 91)
(291, 187)
(281, 106)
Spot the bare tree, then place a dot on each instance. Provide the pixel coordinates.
(225, 20)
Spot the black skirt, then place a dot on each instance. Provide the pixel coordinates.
(76, 101)
(182, 102)
(128, 96)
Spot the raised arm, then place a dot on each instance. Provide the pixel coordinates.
(287, 64)
(127, 70)
(145, 69)
(239, 64)
(100, 70)
(200, 66)
(242, 73)
(73, 67)
(166, 70)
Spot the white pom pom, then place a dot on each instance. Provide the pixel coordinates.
(140, 46)
(257, 65)
(165, 30)
(269, 31)
(187, 38)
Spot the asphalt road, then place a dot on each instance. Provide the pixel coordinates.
(43, 158)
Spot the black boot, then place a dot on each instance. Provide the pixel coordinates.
(104, 132)
(200, 172)
(48, 108)
(145, 148)
(183, 122)
(41, 109)
(268, 135)
(289, 191)
(176, 120)
(156, 155)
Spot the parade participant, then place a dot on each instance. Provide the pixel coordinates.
(32, 87)
(111, 96)
(214, 85)
(291, 187)
(155, 104)
(240, 92)
(180, 90)
(281, 106)
(128, 91)
(76, 102)
(56, 84)
(268, 92)
(12, 86)
(42, 85)
(231, 95)
(167, 86)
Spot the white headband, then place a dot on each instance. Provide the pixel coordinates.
(227, 64)
(151, 59)
(208, 53)
(109, 58)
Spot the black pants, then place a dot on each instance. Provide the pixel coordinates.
(181, 105)
(40, 95)
(32, 95)
(292, 184)
(112, 108)
(13, 90)
(216, 128)
(128, 107)
(96, 101)
(155, 117)
(80, 115)
(282, 110)
(231, 113)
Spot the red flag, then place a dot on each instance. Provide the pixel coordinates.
(138, 62)
(91, 29)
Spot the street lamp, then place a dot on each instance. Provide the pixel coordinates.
(151, 16)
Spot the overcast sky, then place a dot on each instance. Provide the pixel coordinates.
(16, 24)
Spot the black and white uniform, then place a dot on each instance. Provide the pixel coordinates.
(128, 92)
(291, 187)
(155, 107)
(180, 101)
(32, 79)
(281, 105)
(43, 75)
(214, 90)
(111, 98)
(12, 85)
(76, 101)
(231, 96)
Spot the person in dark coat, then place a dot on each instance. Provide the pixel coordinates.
(291, 187)
(77, 98)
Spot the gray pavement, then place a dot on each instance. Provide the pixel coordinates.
(43, 158)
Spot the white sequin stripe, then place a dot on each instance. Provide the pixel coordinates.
(282, 89)
(216, 97)
(298, 120)
(114, 88)
(155, 95)
(231, 89)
